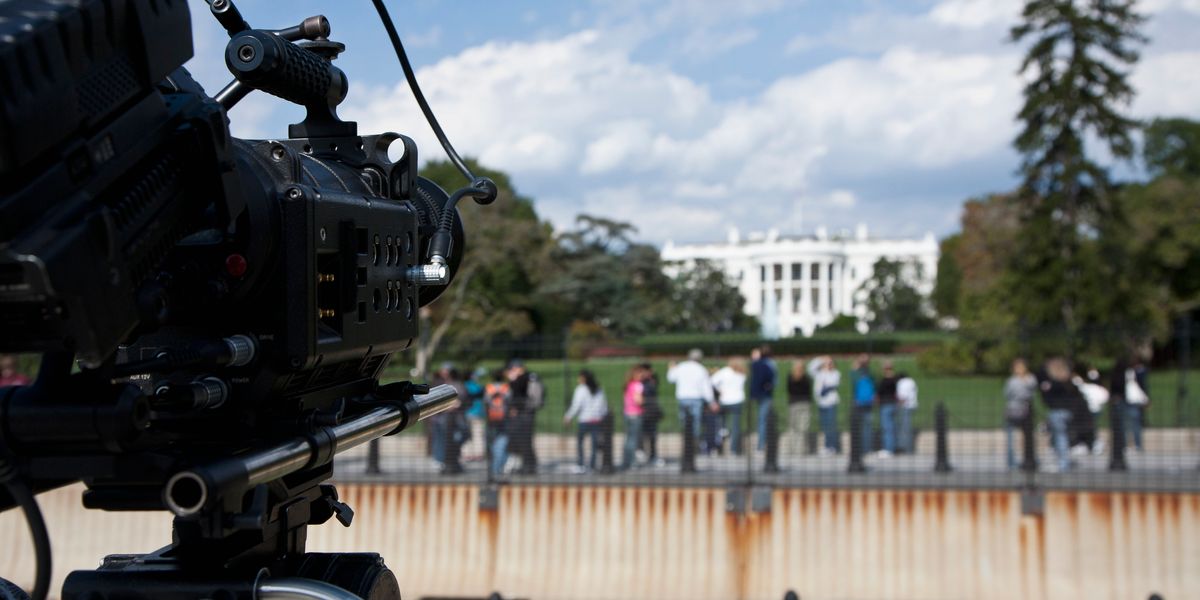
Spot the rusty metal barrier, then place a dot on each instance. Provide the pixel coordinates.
(645, 542)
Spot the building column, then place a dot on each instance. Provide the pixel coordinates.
(787, 321)
(823, 287)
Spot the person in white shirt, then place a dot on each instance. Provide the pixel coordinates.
(692, 388)
(590, 406)
(906, 397)
(826, 380)
(730, 384)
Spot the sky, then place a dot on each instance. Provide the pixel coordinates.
(689, 117)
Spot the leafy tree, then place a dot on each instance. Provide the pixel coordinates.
(507, 249)
(1172, 147)
(948, 287)
(892, 301)
(1075, 88)
(704, 300)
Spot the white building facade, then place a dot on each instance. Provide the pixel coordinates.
(813, 279)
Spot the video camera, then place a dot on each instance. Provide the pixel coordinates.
(214, 313)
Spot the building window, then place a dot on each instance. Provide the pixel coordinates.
(778, 272)
(797, 271)
(816, 301)
(763, 272)
(815, 272)
(852, 273)
(796, 298)
(831, 271)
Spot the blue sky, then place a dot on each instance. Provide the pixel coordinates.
(688, 117)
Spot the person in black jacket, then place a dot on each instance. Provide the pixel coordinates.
(523, 413)
(1060, 396)
(653, 414)
(800, 401)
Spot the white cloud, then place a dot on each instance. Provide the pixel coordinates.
(1153, 6)
(705, 43)
(974, 14)
(1168, 85)
(839, 199)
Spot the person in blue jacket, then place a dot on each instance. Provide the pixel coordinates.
(762, 388)
(864, 400)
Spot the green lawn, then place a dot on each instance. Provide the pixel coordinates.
(972, 401)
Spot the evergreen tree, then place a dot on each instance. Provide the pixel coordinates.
(1076, 66)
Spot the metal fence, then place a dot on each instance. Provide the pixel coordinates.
(957, 434)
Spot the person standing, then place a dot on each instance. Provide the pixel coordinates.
(730, 385)
(826, 380)
(887, 408)
(906, 395)
(762, 389)
(497, 396)
(692, 388)
(864, 400)
(1059, 395)
(652, 414)
(1137, 400)
(633, 416)
(476, 415)
(456, 430)
(9, 375)
(589, 405)
(527, 397)
(1018, 406)
(800, 387)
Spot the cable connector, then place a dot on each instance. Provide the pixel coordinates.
(434, 273)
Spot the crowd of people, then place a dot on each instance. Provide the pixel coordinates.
(1073, 396)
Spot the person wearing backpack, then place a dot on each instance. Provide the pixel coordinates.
(1018, 404)
(496, 396)
(528, 395)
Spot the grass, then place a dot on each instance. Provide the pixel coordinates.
(973, 402)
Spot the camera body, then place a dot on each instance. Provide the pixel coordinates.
(223, 297)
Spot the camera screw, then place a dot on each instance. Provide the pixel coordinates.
(323, 234)
(246, 53)
(294, 194)
(277, 152)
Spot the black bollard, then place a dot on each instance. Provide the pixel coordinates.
(1116, 418)
(373, 457)
(688, 463)
(606, 441)
(772, 458)
(942, 460)
(1030, 463)
(856, 445)
(791, 595)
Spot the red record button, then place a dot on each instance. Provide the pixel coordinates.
(235, 265)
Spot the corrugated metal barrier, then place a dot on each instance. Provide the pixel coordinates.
(644, 542)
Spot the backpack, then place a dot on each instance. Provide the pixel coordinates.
(496, 401)
(535, 393)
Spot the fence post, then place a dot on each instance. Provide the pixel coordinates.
(1116, 418)
(772, 458)
(1030, 463)
(606, 438)
(373, 457)
(856, 445)
(688, 462)
(942, 460)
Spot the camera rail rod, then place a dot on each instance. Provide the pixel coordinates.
(188, 492)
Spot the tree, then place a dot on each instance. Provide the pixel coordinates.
(948, 287)
(704, 300)
(1075, 89)
(892, 301)
(1172, 147)
(507, 248)
(604, 277)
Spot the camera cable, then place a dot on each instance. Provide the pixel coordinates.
(23, 497)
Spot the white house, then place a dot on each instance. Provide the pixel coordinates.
(814, 278)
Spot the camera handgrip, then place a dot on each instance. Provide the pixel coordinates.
(274, 65)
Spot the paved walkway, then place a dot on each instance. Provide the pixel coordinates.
(1170, 463)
